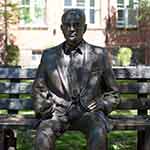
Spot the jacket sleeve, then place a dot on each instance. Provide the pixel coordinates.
(42, 100)
(110, 96)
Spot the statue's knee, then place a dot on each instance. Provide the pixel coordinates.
(42, 142)
(45, 132)
(45, 138)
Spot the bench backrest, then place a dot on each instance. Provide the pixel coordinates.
(16, 86)
(16, 89)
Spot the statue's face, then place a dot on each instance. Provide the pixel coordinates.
(73, 27)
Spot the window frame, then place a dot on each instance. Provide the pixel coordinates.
(36, 57)
(124, 23)
(31, 6)
(87, 8)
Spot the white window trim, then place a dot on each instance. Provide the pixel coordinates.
(87, 7)
(33, 25)
(36, 58)
(124, 22)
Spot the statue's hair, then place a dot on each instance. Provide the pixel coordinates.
(74, 11)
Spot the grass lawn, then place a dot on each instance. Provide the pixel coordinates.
(118, 140)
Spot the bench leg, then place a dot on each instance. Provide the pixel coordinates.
(2, 144)
(144, 140)
(10, 139)
(147, 139)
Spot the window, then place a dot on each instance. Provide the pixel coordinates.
(127, 13)
(32, 13)
(36, 58)
(90, 7)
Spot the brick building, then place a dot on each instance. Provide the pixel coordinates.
(39, 25)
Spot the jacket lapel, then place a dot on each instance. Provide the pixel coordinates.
(62, 65)
(86, 70)
(62, 70)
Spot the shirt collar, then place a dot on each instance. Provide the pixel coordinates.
(78, 49)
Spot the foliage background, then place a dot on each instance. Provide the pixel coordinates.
(9, 15)
(118, 140)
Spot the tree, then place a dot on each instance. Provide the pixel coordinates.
(8, 16)
(137, 38)
(12, 50)
(144, 15)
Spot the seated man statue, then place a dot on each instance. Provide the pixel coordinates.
(74, 88)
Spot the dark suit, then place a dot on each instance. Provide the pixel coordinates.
(94, 80)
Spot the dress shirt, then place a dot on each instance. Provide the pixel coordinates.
(75, 62)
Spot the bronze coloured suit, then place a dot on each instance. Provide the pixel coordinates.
(95, 80)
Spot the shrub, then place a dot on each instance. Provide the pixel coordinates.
(12, 55)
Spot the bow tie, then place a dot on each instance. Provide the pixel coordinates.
(72, 51)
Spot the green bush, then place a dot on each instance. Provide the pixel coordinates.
(117, 140)
(12, 55)
(124, 56)
(122, 140)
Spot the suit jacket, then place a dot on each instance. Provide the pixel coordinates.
(97, 80)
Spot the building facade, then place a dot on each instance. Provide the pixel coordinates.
(39, 24)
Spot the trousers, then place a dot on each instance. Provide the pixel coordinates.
(91, 124)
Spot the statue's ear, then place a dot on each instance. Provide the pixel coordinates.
(61, 27)
(85, 28)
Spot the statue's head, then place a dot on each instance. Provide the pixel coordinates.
(73, 26)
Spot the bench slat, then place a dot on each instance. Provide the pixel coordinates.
(129, 123)
(16, 88)
(134, 103)
(17, 73)
(141, 88)
(26, 104)
(26, 88)
(130, 72)
(117, 123)
(16, 104)
(18, 121)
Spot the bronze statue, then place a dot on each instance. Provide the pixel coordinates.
(74, 88)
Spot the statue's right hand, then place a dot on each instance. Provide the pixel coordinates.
(46, 109)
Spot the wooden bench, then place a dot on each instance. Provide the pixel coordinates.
(16, 88)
